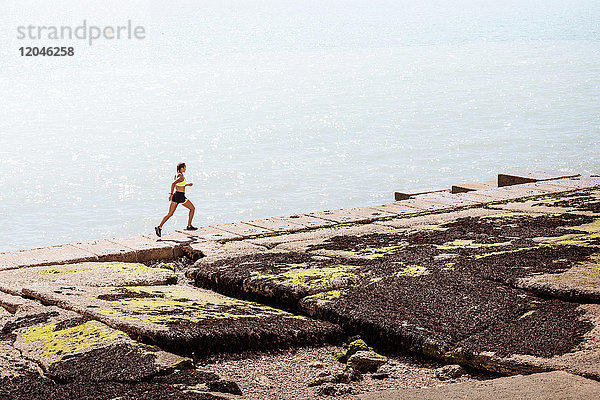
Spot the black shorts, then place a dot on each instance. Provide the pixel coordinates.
(179, 198)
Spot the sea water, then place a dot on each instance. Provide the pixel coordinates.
(282, 107)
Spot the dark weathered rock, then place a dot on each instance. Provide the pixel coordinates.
(334, 389)
(448, 372)
(366, 361)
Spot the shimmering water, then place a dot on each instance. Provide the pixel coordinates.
(281, 107)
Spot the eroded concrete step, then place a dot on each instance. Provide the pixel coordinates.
(407, 194)
(472, 186)
(556, 385)
(515, 178)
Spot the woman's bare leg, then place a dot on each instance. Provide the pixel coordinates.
(172, 208)
(192, 209)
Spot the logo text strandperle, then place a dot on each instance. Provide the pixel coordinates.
(81, 32)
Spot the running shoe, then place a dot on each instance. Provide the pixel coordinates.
(158, 230)
(191, 228)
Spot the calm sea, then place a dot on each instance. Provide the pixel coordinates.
(280, 107)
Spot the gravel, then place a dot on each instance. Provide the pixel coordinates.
(286, 374)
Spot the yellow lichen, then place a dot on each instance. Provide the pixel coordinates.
(373, 253)
(494, 253)
(412, 271)
(469, 244)
(123, 268)
(166, 305)
(57, 343)
(312, 277)
(324, 297)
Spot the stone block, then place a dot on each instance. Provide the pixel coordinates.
(210, 250)
(398, 208)
(508, 193)
(12, 303)
(353, 215)
(276, 224)
(307, 221)
(515, 178)
(146, 249)
(61, 254)
(453, 200)
(582, 182)
(5, 262)
(242, 229)
(212, 233)
(407, 194)
(545, 186)
(106, 250)
(471, 186)
(425, 205)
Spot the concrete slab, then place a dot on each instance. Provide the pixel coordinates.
(583, 360)
(582, 182)
(243, 229)
(5, 262)
(427, 205)
(62, 254)
(12, 303)
(275, 241)
(509, 193)
(529, 206)
(544, 186)
(211, 251)
(106, 250)
(407, 194)
(580, 283)
(146, 249)
(276, 224)
(398, 208)
(72, 348)
(516, 178)
(556, 385)
(433, 220)
(175, 238)
(212, 233)
(353, 215)
(453, 200)
(307, 221)
(187, 320)
(471, 186)
(85, 274)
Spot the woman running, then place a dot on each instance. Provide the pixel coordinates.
(176, 197)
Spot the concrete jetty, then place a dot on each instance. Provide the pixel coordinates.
(503, 279)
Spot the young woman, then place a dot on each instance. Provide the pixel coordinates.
(177, 197)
